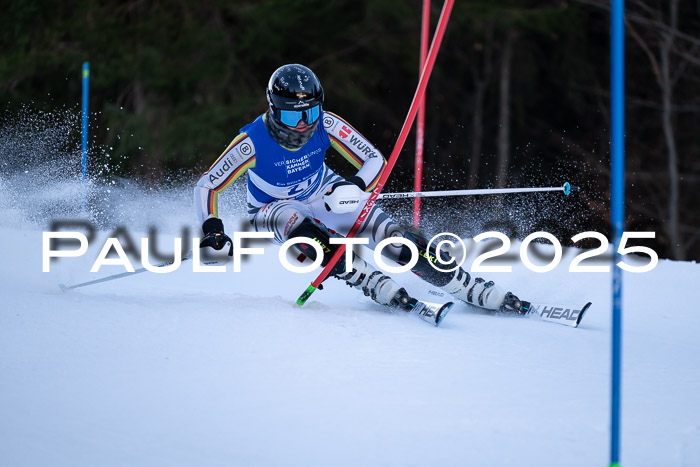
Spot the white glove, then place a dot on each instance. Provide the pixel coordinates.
(344, 197)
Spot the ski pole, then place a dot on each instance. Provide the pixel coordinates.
(422, 84)
(122, 274)
(567, 188)
(65, 288)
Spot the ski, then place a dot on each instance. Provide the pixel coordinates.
(560, 314)
(433, 313)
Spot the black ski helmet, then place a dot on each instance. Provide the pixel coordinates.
(293, 87)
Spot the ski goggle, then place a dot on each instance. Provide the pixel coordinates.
(292, 117)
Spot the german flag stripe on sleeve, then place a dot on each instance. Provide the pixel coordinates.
(213, 204)
(236, 173)
(212, 200)
(235, 141)
(375, 180)
(345, 152)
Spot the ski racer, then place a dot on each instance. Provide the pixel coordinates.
(293, 193)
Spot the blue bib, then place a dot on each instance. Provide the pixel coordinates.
(280, 173)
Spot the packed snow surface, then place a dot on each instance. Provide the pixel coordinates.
(222, 369)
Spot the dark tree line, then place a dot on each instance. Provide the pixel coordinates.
(519, 95)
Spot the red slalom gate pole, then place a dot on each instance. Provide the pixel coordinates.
(420, 124)
(420, 91)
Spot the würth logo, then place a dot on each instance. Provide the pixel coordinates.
(345, 132)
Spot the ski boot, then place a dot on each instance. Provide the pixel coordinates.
(383, 290)
(479, 292)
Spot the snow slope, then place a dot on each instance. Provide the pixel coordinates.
(221, 369)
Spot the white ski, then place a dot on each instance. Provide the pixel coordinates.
(560, 314)
(433, 313)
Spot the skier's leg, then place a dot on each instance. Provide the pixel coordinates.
(380, 287)
(290, 219)
(459, 283)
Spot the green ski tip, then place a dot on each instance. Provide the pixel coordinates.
(305, 296)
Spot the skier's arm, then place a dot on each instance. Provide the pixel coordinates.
(356, 149)
(238, 157)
